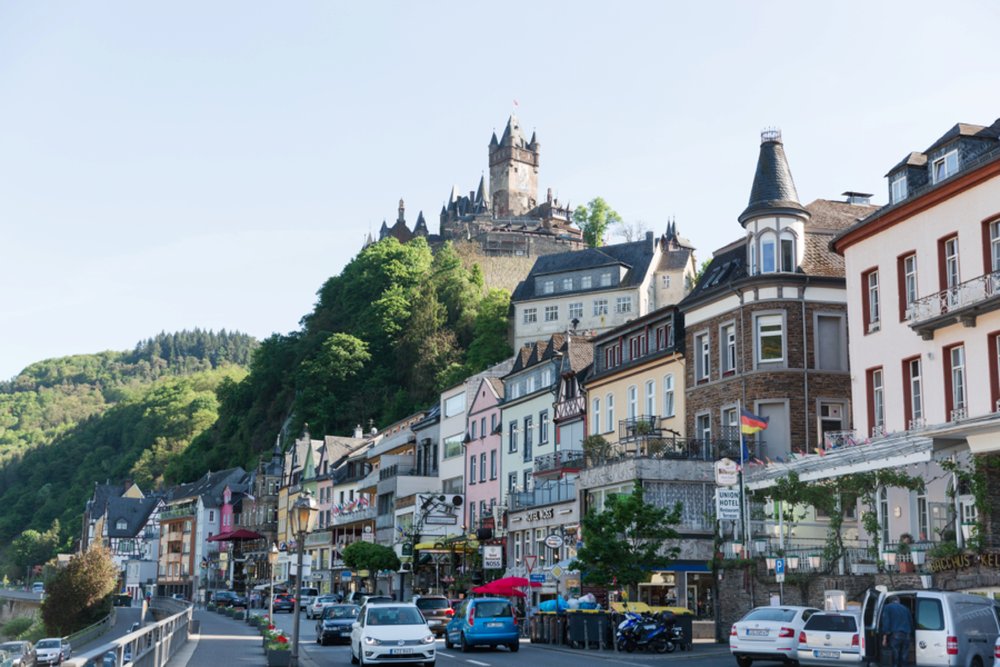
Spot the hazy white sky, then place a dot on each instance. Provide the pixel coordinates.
(209, 164)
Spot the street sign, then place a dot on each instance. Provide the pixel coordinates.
(345, 575)
(727, 504)
(727, 472)
(492, 557)
(553, 541)
(537, 578)
(779, 578)
(529, 562)
(557, 571)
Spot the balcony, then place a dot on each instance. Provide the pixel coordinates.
(178, 511)
(544, 494)
(571, 460)
(962, 303)
(396, 470)
(570, 408)
(346, 518)
(650, 445)
(639, 428)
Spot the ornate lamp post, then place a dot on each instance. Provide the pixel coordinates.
(272, 559)
(303, 512)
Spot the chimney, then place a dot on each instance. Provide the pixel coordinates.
(651, 239)
(359, 432)
(860, 198)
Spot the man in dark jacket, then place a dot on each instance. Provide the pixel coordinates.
(897, 626)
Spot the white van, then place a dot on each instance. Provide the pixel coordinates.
(950, 629)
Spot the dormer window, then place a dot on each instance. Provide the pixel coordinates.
(897, 188)
(548, 287)
(606, 279)
(944, 166)
(121, 524)
(567, 284)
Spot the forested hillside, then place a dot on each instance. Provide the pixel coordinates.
(395, 327)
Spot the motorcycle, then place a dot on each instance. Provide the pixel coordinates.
(646, 632)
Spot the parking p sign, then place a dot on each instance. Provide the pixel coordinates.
(779, 569)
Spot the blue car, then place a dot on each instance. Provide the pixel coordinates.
(483, 622)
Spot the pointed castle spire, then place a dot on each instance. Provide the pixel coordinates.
(773, 189)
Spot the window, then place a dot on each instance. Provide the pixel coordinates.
(666, 282)
(831, 350)
(702, 358)
(993, 357)
(482, 467)
(897, 188)
(512, 437)
(870, 301)
(944, 166)
(586, 282)
(633, 401)
(472, 469)
(526, 479)
(567, 284)
(600, 307)
(453, 446)
(788, 262)
(664, 337)
(609, 403)
(511, 482)
(530, 315)
(907, 270)
(623, 304)
(482, 427)
(752, 244)
(606, 279)
(576, 310)
(551, 313)
(883, 501)
(595, 416)
(923, 516)
(650, 397)
(517, 547)
(543, 427)
(121, 524)
(548, 287)
(668, 395)
(612, 355)
(703, 427)
(768, 256)
(955, 384)
(876, 402)
(913, 392)
(493, 422)
(528, 434)
(993, 248)
(472, 432)
(493, 464)
(472, 515)
(211, 515)
(727, 339)
(950, 277)
(770, 339)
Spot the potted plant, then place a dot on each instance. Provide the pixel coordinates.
(903, 552)
(279, 653)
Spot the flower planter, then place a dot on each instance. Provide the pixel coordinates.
(278, 658)
(240, 615)
(906, 566)
(919, 557)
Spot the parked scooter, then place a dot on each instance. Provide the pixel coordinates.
(650, 632)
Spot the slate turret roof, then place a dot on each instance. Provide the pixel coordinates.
(773, 188)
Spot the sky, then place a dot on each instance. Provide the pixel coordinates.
(166, 166)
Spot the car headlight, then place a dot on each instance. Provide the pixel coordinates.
(372, 641)
(429, 639)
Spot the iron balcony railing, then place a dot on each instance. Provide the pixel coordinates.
(639, 428)
(565, 460)
(954, 301)
(396, 470)
(673, 447)
(345, 518)
(187, 509)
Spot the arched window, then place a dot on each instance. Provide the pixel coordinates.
(633, 401)
(121, 524)
(768, 253)
(788, 256)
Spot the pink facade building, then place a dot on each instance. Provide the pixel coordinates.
(482, 454)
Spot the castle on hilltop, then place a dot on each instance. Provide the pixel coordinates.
(506, 221)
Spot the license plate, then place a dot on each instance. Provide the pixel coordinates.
(826, 654)
(494, 625)
(400, 651)
(751, 632)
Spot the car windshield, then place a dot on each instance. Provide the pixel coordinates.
(341, 611)
(10, 646)
(395, 616)
(325, 598)
(831, 623)
(771, 614)
(48, 643)
(433, 603)
(493, 610)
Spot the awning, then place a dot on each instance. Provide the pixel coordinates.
(238, 535)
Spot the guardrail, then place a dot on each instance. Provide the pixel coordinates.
(150, 646)
(92, 632)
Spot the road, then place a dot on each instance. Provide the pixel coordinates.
(124, 618)
(703, 655)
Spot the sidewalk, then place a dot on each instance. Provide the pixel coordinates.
(224, 641)
(698, 651)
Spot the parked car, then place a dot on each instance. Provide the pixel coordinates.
(315, 610)
(22, 653)
(950, 629)
(356, 597)
(306, 597)
(223, 598)
(378, 599)
(52, 651)
(389, 633)
(996, 653)
(38, 587)
(283, 602)
(335, 623)
(768, 633)
(437, 610)
(483, 622)
(832, 638)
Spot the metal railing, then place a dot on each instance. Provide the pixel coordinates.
(345, 518)
(954, 299)
(150, 646)
(396, 470)
(544, 494)
(674, 448)
(179, 511)
(567, 459)
(639, 428)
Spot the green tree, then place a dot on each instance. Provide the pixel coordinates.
(594, 219)
(621, 542)
(78, 595)
(369, 556)
(32, 548)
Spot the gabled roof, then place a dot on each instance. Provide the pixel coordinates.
(209, 487)
(135, 511)
(102, 494)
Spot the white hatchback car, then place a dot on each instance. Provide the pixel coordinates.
(768, 633)
(391, 633)
(832, 638)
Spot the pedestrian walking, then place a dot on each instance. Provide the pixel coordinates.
(897, 626)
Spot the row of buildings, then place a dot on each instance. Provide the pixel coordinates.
(854, 329)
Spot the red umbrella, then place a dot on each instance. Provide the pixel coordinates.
(492, 589)
(238, 535)
(515, 582)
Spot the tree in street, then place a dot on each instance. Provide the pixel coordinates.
(621, 542)
(369, 556)
(79, 594)
(594, 219)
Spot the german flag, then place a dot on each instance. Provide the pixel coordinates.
(751, 423)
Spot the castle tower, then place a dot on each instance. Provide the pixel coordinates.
(774, 219)
(513, 172)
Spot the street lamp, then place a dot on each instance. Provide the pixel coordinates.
(303, 511)
(272, 559)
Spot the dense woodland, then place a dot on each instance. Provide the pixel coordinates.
(386, 335)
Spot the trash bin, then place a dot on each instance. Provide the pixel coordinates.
(195, 627)
(686, 623)
(588, 629)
